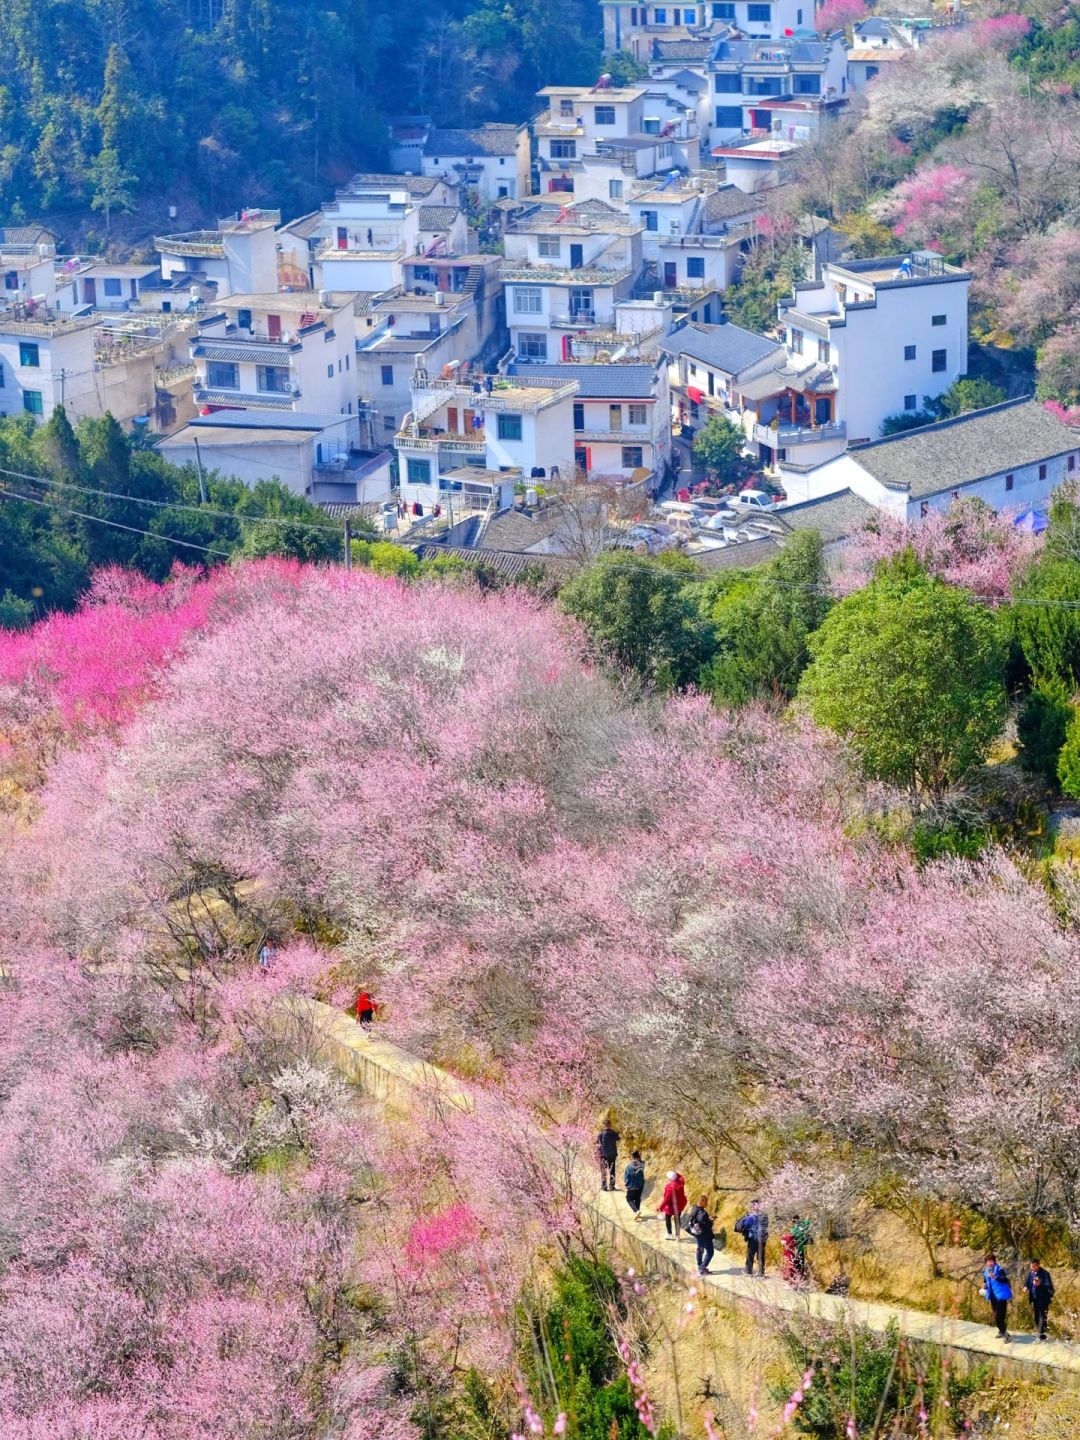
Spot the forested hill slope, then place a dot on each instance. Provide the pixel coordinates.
(216, 103)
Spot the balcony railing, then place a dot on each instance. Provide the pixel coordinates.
(514, 399)
(783, 435)
(432, 443)
(579, 320)
(642, 438)
(191, 242)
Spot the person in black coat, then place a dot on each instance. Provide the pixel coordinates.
(1040, 1289)
(699, 1224)
(607, 1150)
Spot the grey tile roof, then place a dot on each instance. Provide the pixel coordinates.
(682, 49)
(417, 185)
(599, 382)
(832, 516)
(511, 564)
(742, 556)
(305, 226)
(727, 347)
(728, 202)
(689, 80)
(971, 447)
(438, 217)
(488, 139)
(514, 530)
(26, 235)
(791, 52)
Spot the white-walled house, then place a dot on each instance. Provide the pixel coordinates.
(278, 352)
(783, 89)
(464, 445)
(28, 274)
(683, 246)
(239, 257)
(1015, 454)
(47, 359)
(317, 456)
(492, 159)
(110, 285)
(564, 274)
(892, 330)
(644, 129)
(622, 417)
(637, 28)
(710, 364)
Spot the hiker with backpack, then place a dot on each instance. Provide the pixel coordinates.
(754, 1228)
(998, 1291)
(607, 1151)
(699, 1224)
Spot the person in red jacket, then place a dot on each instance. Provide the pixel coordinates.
(365, 1009)
(673, 1204)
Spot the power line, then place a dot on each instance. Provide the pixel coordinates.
(115, 524)
(168, 504)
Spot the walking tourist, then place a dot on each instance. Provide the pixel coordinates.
(699, 1224)
(1040, 1289)
(754, 1228)
(998, 1291)
(365, 1010)
(267, 956)
(607, 1150)
(801, 1234)
(673, 1204)
(634, 1182)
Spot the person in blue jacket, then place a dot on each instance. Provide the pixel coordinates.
(998, 1291)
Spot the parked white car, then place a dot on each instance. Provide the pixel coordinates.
(754, 500)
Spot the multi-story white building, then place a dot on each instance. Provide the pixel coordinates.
(278, 352)
(622, 418)
(28, 274)
(239, 257)
(464, 445)
(641, 129)
(46, 359)
(491, 159)
(686, 243)
(783, 89)
(892, 331)
(638, 28)
(564, 274)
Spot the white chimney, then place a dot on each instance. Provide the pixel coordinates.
(324, 297)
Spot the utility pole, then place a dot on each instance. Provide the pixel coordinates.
(61, 375)
(348, 545)
(198, 463)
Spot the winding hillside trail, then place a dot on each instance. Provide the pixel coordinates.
(405, 1083)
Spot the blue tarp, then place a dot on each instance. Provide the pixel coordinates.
(1033, 520)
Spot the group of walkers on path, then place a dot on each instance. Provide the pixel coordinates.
(753, 1227)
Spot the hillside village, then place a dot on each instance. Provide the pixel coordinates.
(519, 308)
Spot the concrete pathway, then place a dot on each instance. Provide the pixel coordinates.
(403, 1083)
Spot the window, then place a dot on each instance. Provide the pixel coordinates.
(579, 415)
(581, 303)
(798, 17)
(387, 374)
(650, 125)
(911, 402)
(939, 361)
(31, 400)
(528, 300)
(418, 472)
(695, 267)
(639, 414)
(330, 371)
(1042, 472)
(112, 287)
(909, 352)
(649, 217)
(11, 280)
(220, 376)
(796, 341)
(604, 114)
(631, 457)
(532, 347)
(823, 352)
(273, 379)
(563, 149)
(614, 417)
(924, 509)
(1, 376)
(346, 362)
(508, 427)
(1009, 481)
(727, 85)
(243, 319)
(807, 85)
(1071, 465)
(389, 423)
(938, 319)
(729, 117)
(549, 246)
(761, 14)
(689, 17)
(660, 17)
(614, 189)
(28, 355)
(723, 12)
(566, 105)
